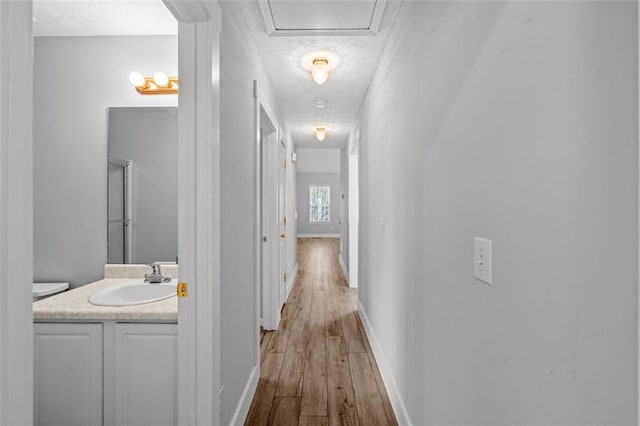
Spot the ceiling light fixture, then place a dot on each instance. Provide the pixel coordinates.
(159, 84)
(321, 104)
(320, 132)
(320, 70)
(320, 64)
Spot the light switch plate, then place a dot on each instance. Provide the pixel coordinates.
(482, 262)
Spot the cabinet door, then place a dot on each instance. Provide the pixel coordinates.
(68, 374)
(146, 374)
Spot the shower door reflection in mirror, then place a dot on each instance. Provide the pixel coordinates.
(119, 217)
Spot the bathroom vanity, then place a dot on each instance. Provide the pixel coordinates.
(96, 365)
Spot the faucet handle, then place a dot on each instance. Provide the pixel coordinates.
(155, 268)
(155, 276)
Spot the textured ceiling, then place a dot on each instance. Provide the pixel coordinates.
(102, 17)
(282, 56)
(295, 90)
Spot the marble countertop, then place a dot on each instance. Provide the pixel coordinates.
(74, 305)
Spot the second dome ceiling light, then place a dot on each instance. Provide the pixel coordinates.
(320, 132)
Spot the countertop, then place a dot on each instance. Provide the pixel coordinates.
(74, 305)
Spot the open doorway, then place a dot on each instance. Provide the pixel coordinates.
(199, 251)
(126, 127)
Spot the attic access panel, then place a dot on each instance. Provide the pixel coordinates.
(320, 17)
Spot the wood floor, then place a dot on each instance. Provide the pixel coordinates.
(318, 368)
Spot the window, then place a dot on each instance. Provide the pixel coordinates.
(319, 196)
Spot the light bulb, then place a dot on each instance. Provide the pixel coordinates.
(161, 79)
(137, 79)
(320, 70)
(321, 133)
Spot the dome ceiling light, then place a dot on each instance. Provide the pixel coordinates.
(320, 70)
(320, 64)
(320, 132)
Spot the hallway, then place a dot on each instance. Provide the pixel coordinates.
(318, 367)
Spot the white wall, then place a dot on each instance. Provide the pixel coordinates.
(237, 150)
(75, 80)
(517, 123)
(311, 160)
(239, 67)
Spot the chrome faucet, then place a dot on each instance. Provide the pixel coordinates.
(155, 276)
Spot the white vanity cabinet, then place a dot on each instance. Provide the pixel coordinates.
(106, 373)
(145, 386)
(68, 374)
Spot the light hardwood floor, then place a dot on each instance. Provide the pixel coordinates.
(318, 367)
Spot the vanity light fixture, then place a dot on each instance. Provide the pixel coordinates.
(320, 70)
(159, 84)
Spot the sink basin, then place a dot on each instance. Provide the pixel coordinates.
(134, 292)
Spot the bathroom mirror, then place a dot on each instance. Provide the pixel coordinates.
(142, 185)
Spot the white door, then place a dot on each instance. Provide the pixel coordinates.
(270, 234)
(282, 224)
(264, 229)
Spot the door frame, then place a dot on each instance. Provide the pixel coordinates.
(16, 212)
(271, 315)
(199, 333)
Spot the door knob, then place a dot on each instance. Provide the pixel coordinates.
(283, 236)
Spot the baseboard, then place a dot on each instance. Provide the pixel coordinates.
(245, 400)
(318, 235)
(292, 279)
(397, 403)
(344, 269)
